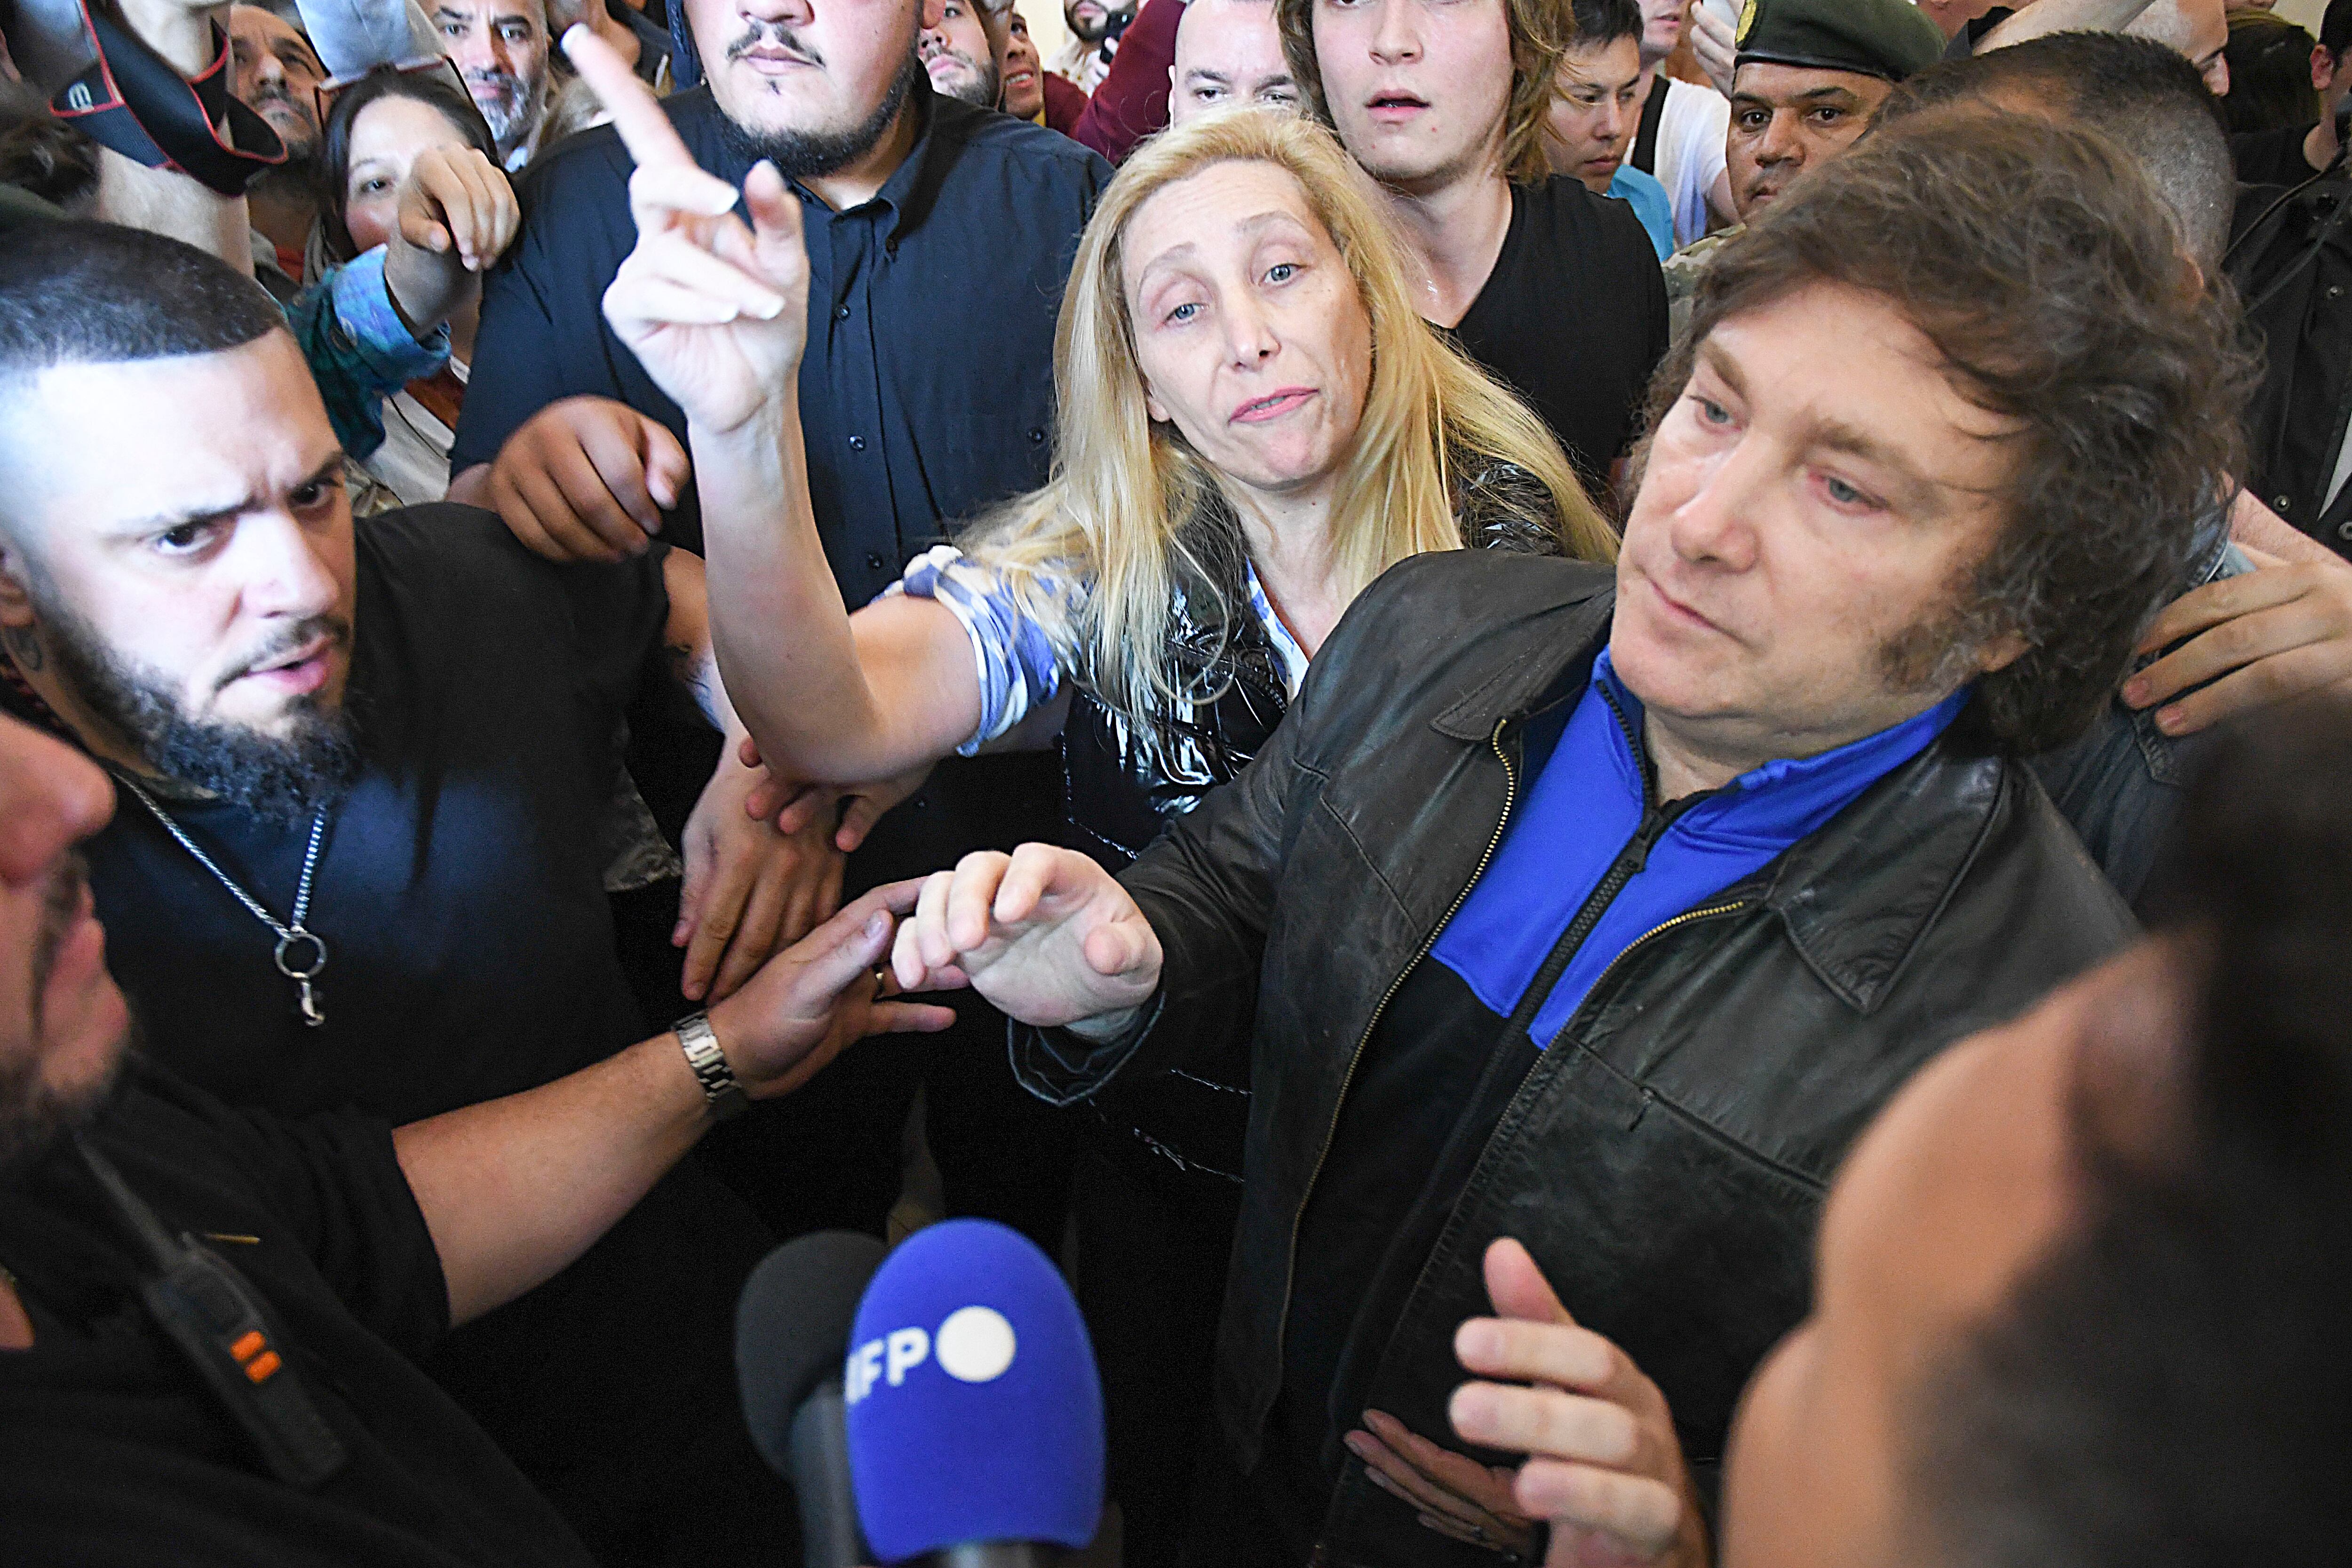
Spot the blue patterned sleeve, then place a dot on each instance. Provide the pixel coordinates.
(359, 349)
(1019, 670)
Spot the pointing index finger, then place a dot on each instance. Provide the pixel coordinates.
(636, 114)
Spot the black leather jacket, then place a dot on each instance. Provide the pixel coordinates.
(1182, 1129)
(1666, 1158)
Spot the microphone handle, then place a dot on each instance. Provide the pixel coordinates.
(997, 1555)
(820, 1454)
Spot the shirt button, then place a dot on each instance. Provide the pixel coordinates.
(2282, 503)
(858, 442)
(2344, 531)
(873, 562)
(841, 313)
(1037, 437)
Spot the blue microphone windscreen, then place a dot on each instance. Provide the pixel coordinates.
(791, 1329)
(975, 1412)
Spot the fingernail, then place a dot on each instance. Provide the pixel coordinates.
(2136, 691)
(878, 922)
(1479, 1339)
(1357, 1444)
(2169, 718)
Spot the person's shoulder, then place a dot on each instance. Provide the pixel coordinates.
(1475, 594)
(596, 158)
(1570, 218)
(449, 555)
(982, 138)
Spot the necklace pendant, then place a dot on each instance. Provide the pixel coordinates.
(313, 1014)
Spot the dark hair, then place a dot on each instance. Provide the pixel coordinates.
(2144, 97)
(1540, 31)
(2046, 275)
(54, 160)
(95, 293)
(2270, 74)
(2171, 1384)
(2336, 28)
(439, 89)
(1600, 22)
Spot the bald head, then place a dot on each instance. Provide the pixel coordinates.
(1228, 55)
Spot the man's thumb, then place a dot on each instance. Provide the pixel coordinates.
(667, 466)
(1517, 1287)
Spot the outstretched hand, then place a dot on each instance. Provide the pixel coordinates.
(716, 310)
(1045, 935)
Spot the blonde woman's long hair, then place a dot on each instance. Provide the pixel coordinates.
(1115, 514)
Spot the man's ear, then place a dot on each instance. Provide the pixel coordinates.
(2323, 69)
(2001, 652)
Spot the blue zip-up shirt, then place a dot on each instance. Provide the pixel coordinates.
(1584, 824)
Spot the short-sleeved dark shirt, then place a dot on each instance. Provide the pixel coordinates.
(1574, 317)
(460, 888)
(927, 389)
(113, 1454)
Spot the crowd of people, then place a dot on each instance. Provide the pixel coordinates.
(1588, 742)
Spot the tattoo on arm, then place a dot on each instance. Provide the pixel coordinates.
(697, 670)
(25, 645)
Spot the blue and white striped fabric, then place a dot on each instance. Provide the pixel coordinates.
(1019, 669)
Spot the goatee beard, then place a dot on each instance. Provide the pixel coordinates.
(283, 780)
(806, 154)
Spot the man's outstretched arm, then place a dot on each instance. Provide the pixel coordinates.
(515, 1189)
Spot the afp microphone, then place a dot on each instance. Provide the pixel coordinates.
(792, 1331)
(975, 1414)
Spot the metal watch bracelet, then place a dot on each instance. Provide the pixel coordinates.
(719, 1087)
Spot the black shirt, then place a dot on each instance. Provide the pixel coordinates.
(2271, 157)
(1574, 317)
(110, 1450)
(1373, 1217)
(461, 887)
(470, 954)
(927, 389)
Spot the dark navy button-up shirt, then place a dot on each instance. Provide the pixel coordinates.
(928, 386)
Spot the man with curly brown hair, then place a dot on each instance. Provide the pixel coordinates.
(1553, 289)
(1600, 911)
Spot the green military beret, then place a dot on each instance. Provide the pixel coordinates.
(1892, 38)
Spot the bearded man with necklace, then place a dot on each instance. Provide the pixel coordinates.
(365, 777)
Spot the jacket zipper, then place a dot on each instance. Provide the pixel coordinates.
(1622, 954)
(1290, 1263)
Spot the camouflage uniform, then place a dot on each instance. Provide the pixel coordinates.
(1687, 266)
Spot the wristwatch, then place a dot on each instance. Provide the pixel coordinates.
(710, 1069)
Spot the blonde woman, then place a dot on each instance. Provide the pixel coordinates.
(1254, 424)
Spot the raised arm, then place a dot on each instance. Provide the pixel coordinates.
(717, 314)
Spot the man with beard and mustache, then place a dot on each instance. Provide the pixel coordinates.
(358, 1243)
(502, 49)
(957, 54)
(1095, 28)
(278, 75)
(366, 777)
(939, 236)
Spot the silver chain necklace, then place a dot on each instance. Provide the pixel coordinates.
(292, 939)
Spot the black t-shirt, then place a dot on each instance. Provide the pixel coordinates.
(112, 1452)
(1574, 317)
(470, 956)
(461, 887)
(2271, 157)
(1408, 1136)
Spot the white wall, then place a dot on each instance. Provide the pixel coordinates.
(1049, 32)
(2304, 14)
